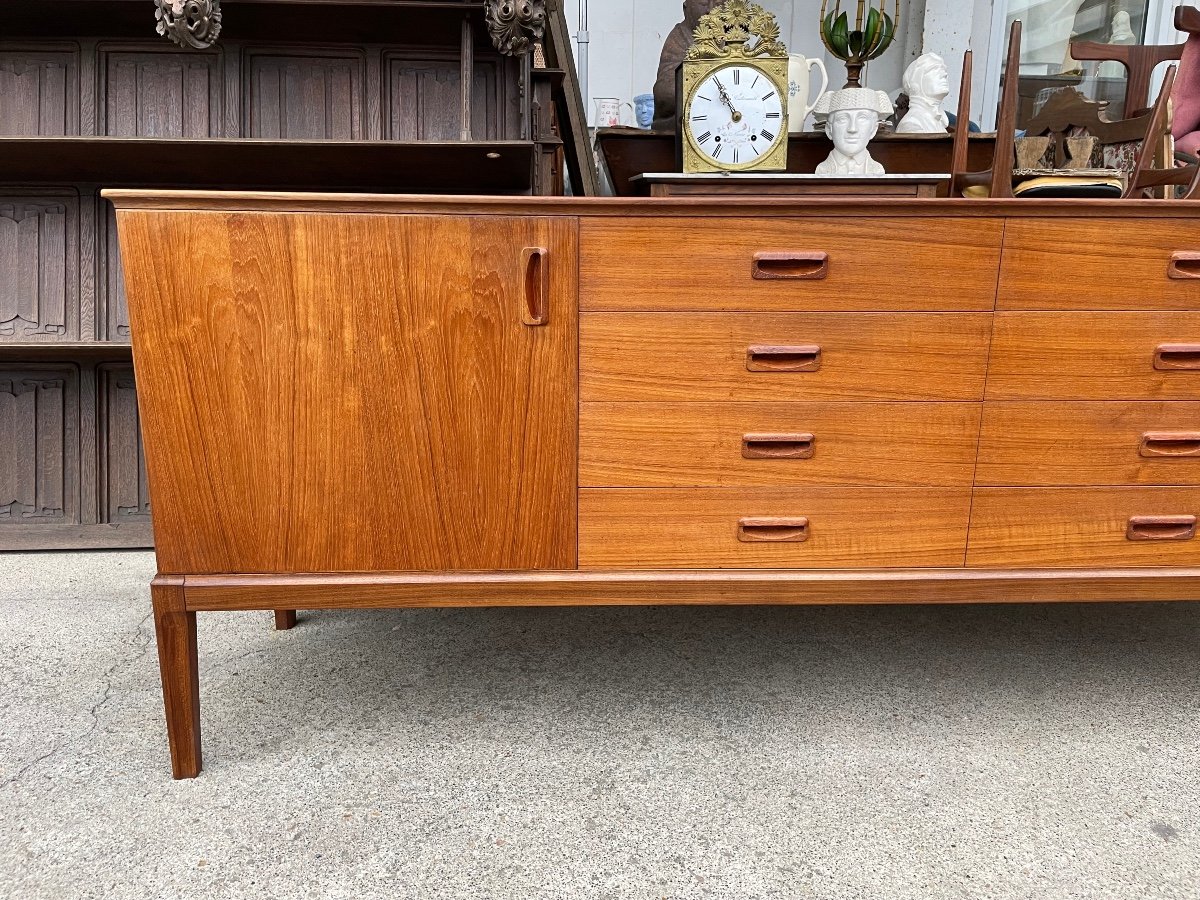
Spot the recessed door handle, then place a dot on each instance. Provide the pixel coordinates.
(768, 530)
(1177, 357)
(1161, 528)
(1170, 445)
(771, 358)
(778, 446)
(1184, 265)
(804, 266)
(535, 263)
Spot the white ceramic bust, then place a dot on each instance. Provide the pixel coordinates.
(927, 83)
(851, 119)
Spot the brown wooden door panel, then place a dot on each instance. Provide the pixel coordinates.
(1086, 264)
(849, 264)
(1095, 356)
(746, 444)
(354, 392)
(1068, 527)
(781, 528)
(1033, 443)
(783, 356)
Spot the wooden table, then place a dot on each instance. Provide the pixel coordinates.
(770, 184)
(369, 401)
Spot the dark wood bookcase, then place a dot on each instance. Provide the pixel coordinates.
(304, 95)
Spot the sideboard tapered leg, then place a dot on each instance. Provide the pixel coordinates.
(285, 619)
(175, 629)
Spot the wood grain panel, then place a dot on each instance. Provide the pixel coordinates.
(707, 264)
(114, 314)
(645, 587)
(160, 93)
(39, 91)
(698, 529)
(39, 267)
(1035, 443)
(424, 99)
(354, 393)
(1057, 527)
(1096, 356)
(39, 446)
(1112, 264)
(702, 444)
(305, 96)
(125, 496)
(663, 356)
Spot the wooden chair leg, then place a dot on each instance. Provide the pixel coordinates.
(285, 619)
(175, 629)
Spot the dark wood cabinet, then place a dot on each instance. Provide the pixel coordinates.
(332, 94)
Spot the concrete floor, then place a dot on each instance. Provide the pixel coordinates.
(997, 752)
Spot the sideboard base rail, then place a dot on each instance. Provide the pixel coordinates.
(697, 587)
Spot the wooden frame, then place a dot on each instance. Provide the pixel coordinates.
(497, 515)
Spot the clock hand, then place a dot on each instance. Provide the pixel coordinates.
(737, 116)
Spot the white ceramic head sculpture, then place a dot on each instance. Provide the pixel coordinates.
(851, 118)
(927, 83)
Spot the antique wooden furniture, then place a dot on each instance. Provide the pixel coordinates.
(407, 95)
(675, 184)
(371, 401)
(629, 152)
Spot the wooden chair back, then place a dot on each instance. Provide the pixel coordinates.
(999, 177)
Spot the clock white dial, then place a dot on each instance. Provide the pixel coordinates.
(736, 116)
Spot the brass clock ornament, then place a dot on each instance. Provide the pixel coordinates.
(733, 85)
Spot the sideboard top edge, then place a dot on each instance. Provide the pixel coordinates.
(296, 201)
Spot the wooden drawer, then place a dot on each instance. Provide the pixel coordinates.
(788, 264)
(1089, 443)
(783, 356)
(1095, 356)
(1069, 527)
(747, 444)
(728, 528)
(1100, 264)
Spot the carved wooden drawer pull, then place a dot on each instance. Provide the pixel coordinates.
(1170, 444)
(766, 358)
(535, 262)
(1161, 528)
(1184, 265)
(1177, 357)
(812, 266)
(778, 446)
(773, 530)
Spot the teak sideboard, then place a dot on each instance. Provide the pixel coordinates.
(365, 401)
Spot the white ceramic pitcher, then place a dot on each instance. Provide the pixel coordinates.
(798, 84)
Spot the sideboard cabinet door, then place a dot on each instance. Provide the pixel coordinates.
(356, 392)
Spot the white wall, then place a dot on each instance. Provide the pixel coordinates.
(627, 37)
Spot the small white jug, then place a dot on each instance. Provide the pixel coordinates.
(798, 94)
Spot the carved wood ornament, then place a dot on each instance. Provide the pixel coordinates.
(189, 23)
(515, 25)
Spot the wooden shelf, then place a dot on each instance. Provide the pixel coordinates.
(94, 351)
(499, 167)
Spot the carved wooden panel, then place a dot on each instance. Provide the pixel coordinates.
(116, 313)
(39, 268)
(39, 92)
(309, 97)
(39, 450)
(160, 94)
(423, 100)
(124, 495)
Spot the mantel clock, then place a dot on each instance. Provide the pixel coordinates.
(733, 88)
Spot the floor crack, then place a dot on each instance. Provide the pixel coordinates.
(141, 641)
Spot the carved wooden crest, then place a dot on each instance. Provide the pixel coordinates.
(725, 33)
(189, 23)
(515, 25)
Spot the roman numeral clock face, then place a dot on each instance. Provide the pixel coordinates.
(735, 117)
